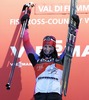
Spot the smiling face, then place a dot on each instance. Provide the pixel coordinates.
(48, 49)
(49, 43)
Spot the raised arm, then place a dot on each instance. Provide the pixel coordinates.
(33, 57)
(71, 39)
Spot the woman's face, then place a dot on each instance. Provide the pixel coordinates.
(48, 49)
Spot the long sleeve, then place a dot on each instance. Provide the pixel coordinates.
(33, 57)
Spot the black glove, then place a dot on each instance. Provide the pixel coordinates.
(24, 18)
(76, 19)
(24, 7)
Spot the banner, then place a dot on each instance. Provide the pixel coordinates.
(48, 17)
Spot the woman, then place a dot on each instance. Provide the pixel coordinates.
(48, 66)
